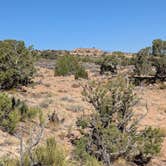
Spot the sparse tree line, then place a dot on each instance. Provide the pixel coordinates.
(110, 133)
(51, 54)
(149, 63)
(17, 63)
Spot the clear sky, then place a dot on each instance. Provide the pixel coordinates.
(125, 25)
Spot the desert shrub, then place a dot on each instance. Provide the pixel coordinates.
(68, 99)
(108, 65)
(10, 123)
(68, 65)
(92, 161)
(122, 60)
(24, 111)
(81, 154)
(50, 154)
(160, 65)
(82, 122)
(54, 118)
(113, 130)
(80, 73)
(5, 161)
(13, 111)
(5, 104)
(80, 149)
(32, 112)
(21, 106)
(16, 64)
(76, 108)
(52, 54)
(143, 65)
(8, 116)
(65, 65)
(149, 145)
(151, 62)
(85, 59)
(110, 62)
(88, 59)
(159, 47)
(150, 69)
(144, 70)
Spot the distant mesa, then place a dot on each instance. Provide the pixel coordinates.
(92, 52)
(87, 52)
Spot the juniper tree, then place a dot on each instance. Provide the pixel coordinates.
(16, 64)
(113, 128)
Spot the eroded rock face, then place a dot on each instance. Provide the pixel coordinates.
(87, 52)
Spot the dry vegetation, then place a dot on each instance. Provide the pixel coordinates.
(61, 101)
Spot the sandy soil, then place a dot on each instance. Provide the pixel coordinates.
(63, 95)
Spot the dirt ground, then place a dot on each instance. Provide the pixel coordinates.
(62, 95)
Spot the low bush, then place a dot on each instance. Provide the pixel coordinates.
(24, 111)
(149, 145)
(32, 112)
(7, 114)
(160, 64)
(13, 111)
(68, 65)
(92, 161)
(82, 156)
(5, 161)
(109, 63)
(143, 65)
(49, 154)
(82, 122)
(80, 73)
(10, 123)
(88, 59)
(80, 150)
(52, 54)
(75, 108)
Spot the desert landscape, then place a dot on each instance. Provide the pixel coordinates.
(83, 83)
(61, 100)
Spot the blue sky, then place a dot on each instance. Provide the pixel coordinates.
(126, 25)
